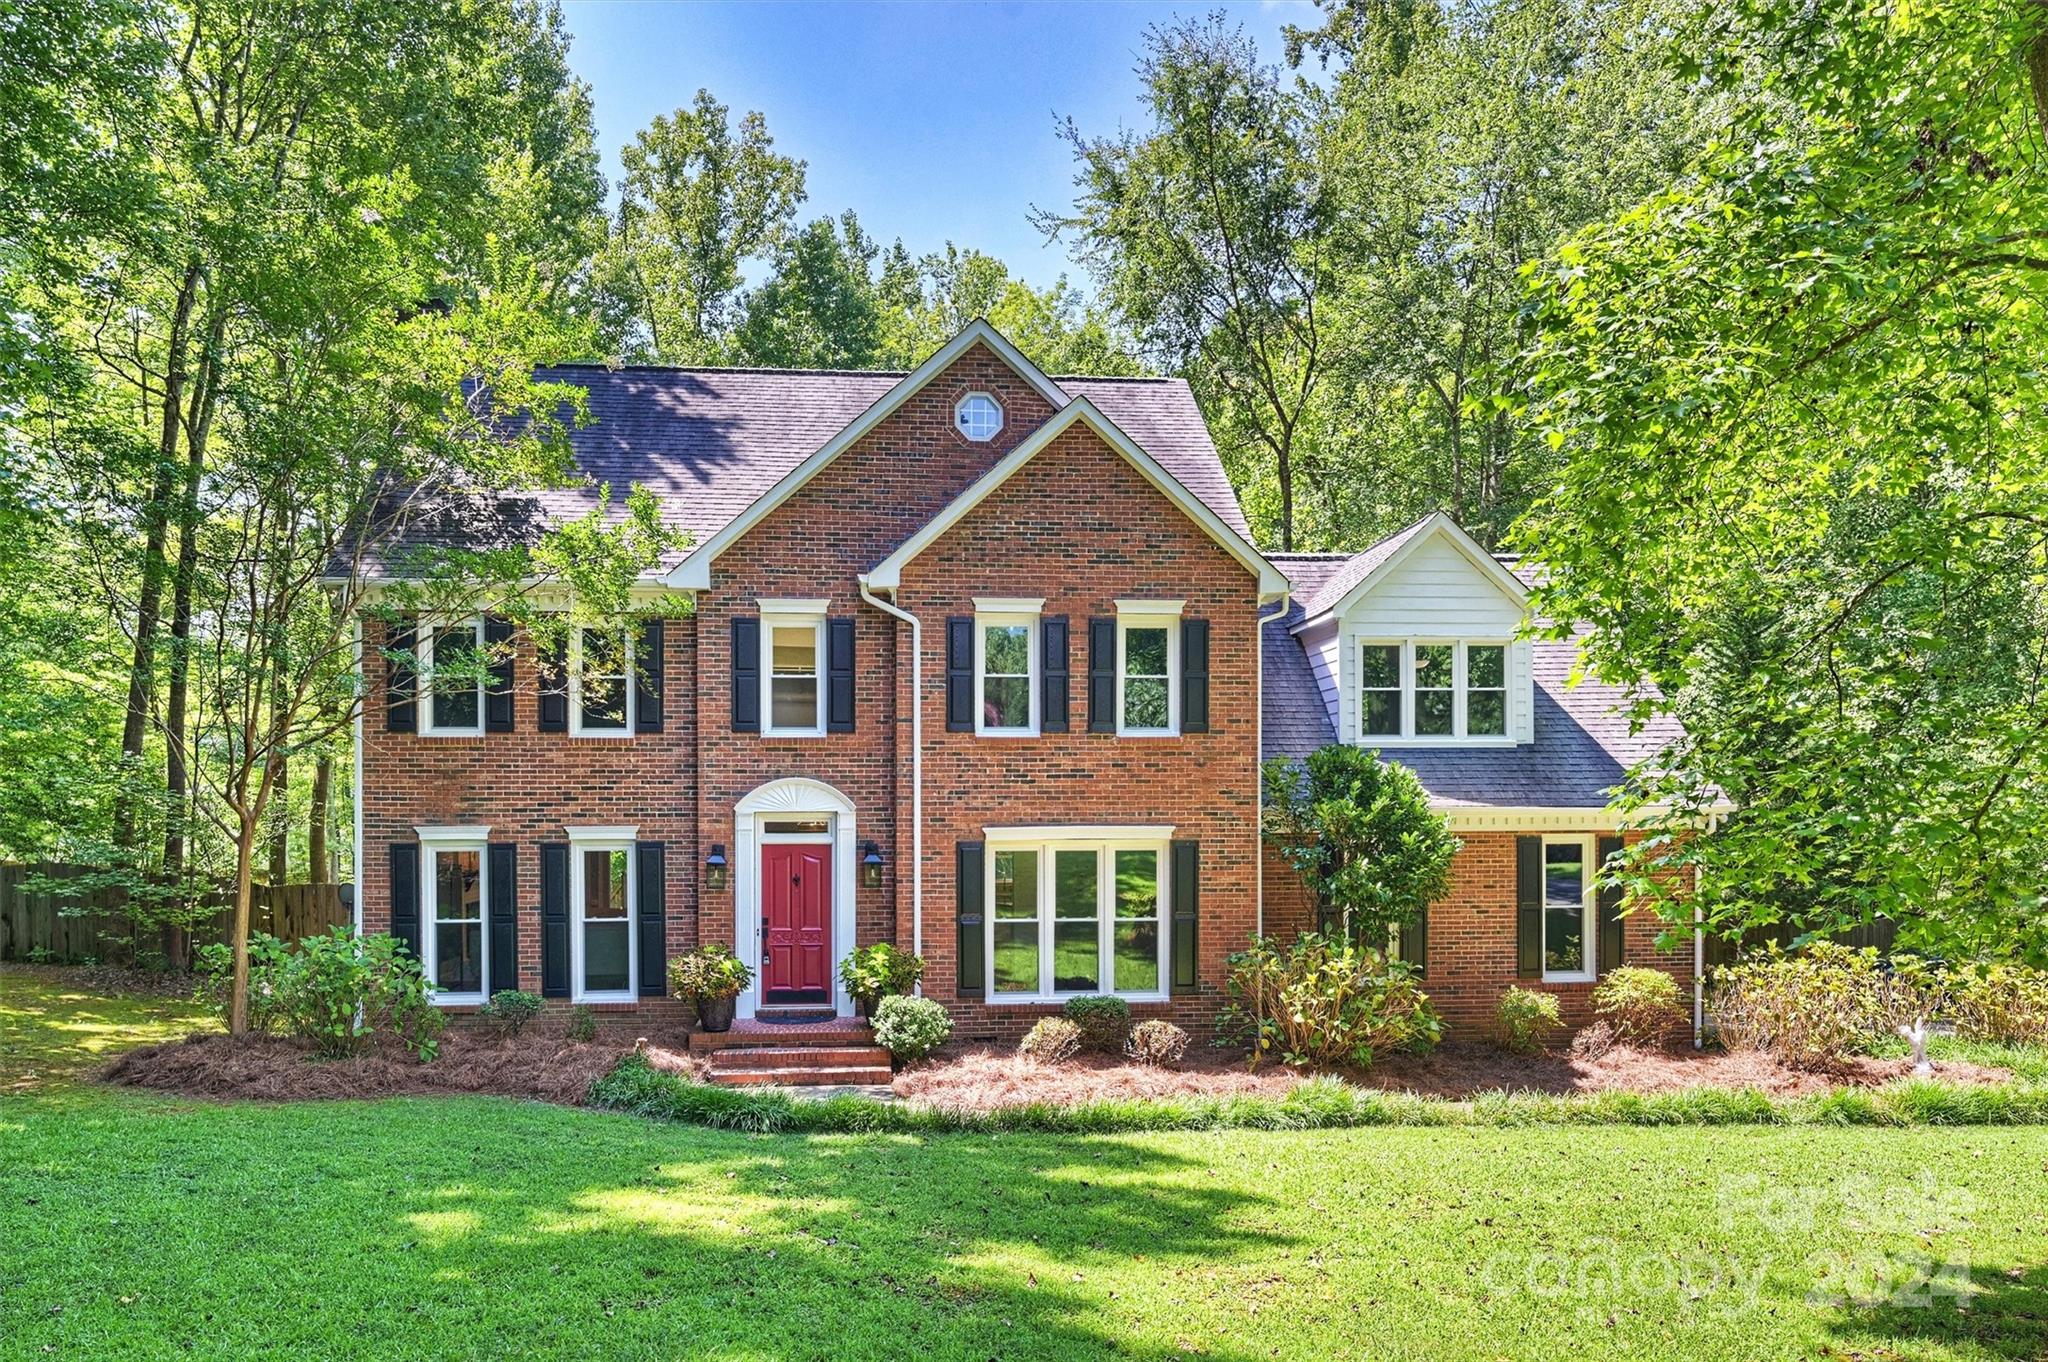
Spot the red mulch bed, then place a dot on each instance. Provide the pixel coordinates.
(978, 1080)
(537, 1064)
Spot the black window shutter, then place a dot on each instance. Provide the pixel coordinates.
(1613, 949)
(554, 919)
(970, 942)
(1102, 675)
(405, 895)
(1187, 903)
(1528, 907)
(401, 681)
(1194, 676)
(746, 673)
(650, 674)
(1415, 942)
(498, 695)
(652, 893)
(839, 675)
(1054, 680)
(960, 674)
(554, 688)
(501, 903)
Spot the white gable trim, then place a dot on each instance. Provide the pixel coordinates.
(1437, 526)
(887, 575)
(694, 572)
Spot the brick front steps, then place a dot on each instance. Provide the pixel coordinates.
(838, 1052)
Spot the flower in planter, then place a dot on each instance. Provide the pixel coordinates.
(709, 973)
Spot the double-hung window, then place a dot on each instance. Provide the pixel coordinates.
(1147, 668)
(1427, 690)
(1077, 915)
(602, 940)
(1006, 666)
(793, 668)
(601, 683)
(1568, 942)
(452, 937)
(450, 653)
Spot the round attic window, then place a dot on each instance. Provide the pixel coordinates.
(978, 416)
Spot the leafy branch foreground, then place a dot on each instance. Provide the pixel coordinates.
(639, 1089)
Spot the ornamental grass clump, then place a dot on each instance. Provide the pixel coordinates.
(1324, 1000)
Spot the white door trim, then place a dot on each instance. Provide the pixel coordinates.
(794, 797)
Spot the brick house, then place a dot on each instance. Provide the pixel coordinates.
(981, 662)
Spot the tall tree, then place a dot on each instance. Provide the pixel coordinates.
(820, 309)
(1208, 233)
(1803, 498)
(698, 200)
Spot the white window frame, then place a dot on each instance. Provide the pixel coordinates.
(1105, 843)
(435, 842)
(424, 644)
(1149, 615)
(1408, 736)
(1002, 417)
(1002, 612)
(1399, 690)
(576, 726)
(606, 839)
(1588, 904)
(780, 614)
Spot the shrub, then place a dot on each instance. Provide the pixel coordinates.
(1325, 1000)
(874, 972)
(708, 973)
(1526, 1018)
(335, 991)
(510, 1010)
(1641, 1004)
(1052, 1040)
(1157, 1042)
(911, 1028)
(581, 1025)
(1812, 1008)
(2007, 1004)
(215, 965)
(1593, 1040)
(1105, 1021)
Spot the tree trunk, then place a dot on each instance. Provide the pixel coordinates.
(176, 776)
(1286, 497)
(238, 932)
(316, 820)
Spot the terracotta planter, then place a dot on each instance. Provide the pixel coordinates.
(715, 1014)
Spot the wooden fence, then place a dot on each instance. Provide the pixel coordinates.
(40, 920)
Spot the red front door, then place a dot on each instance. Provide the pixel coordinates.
(796, 923)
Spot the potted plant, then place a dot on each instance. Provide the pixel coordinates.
(871, 973)
(712, 977)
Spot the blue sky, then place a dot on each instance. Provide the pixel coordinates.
(932, 121)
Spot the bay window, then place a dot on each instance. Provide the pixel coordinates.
(1077, 915)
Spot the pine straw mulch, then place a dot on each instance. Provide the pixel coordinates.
(538, 1064)
(979, 1080)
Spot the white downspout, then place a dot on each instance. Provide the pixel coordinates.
(916, 763)
(1699, 967)
(356, 781)
(1259, 759)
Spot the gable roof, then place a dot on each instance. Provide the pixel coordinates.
(888, 573)
(695, 569)
(1343, 588)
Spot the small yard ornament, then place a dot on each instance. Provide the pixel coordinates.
(1917, 1034)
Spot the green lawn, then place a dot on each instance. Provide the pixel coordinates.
(135, 1227)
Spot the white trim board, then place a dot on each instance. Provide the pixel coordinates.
(694, 572)
(887, 575)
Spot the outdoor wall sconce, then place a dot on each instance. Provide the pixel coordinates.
(714, 867)
(870, 866)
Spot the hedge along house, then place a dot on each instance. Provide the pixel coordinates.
(981, 662)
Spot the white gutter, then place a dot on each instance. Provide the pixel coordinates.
(1259, 761)
(1699, 967)
(916, 762)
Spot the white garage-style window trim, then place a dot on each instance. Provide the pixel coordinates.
(1148, 668)
(1006, 664)
(978, 416)
(793, 668)
(1077, 911)
(1430, 690)
(454, 942)
(604, 937)
(454, 703)
(601, 683)
(1570, 942)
